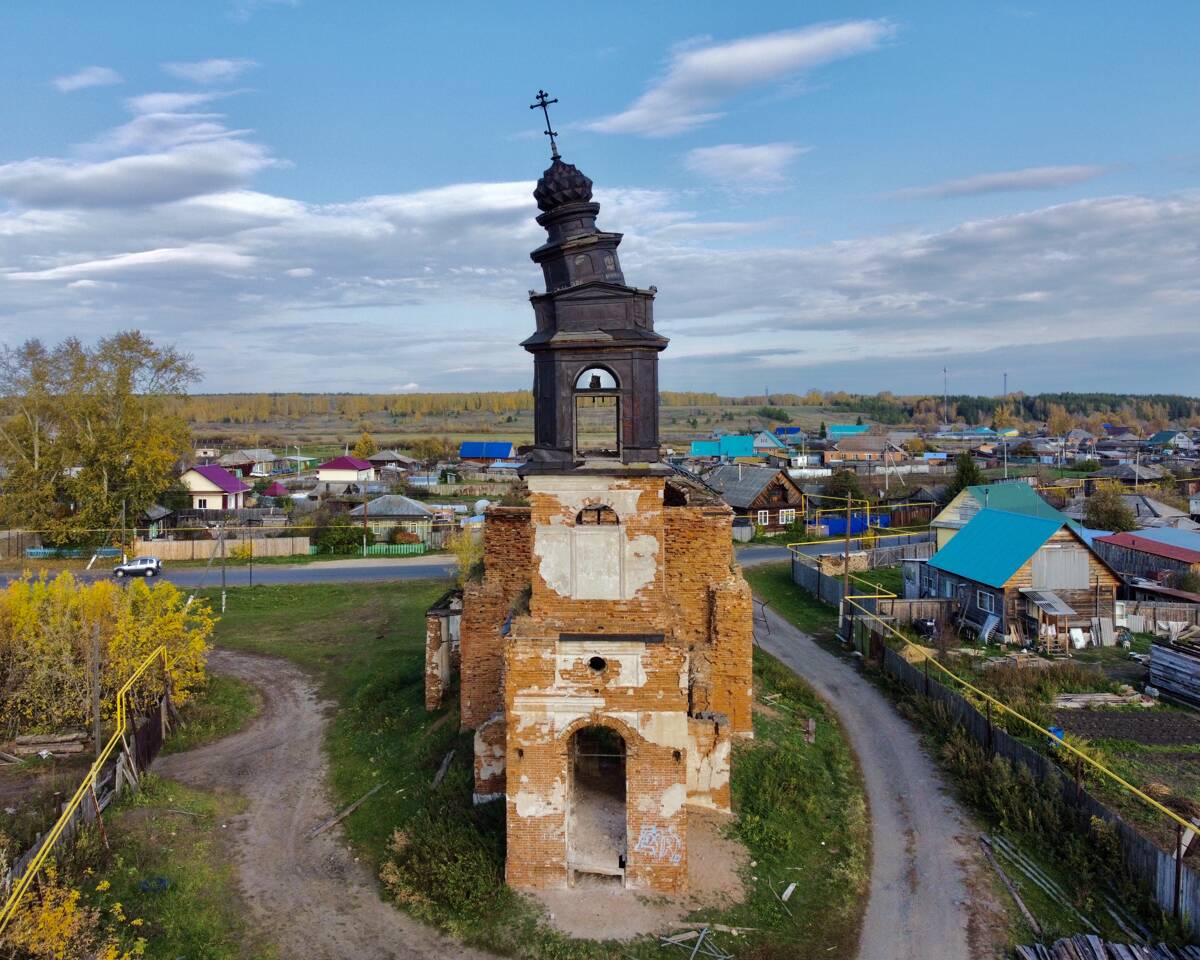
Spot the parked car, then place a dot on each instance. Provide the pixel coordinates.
(139, 567)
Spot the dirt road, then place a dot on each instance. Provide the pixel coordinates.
(920, 903)
(309, 896)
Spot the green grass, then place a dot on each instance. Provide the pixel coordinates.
(889, 578)
(222, 706)
(801, 807)
(170, 868)
(772, 583)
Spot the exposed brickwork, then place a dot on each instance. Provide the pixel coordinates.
(437, 661)
(489, 758)
(507, 539)
(661, 572)
(709, 748)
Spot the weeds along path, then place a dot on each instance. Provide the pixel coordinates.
(920, 899)
(309, 896)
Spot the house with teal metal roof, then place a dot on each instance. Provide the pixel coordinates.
(726, 447)
(1015, 497)
(839, 431)
(1025, 576)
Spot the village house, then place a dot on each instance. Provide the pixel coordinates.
(728, 446)
(766, 443)
(1151, 554)
(792, 436)
(605, 647)
(767, 496)
(255, 462)
(1014, 497)
(392, 460)
(864, 449)
(212, 487)
(483, 452)
(344, 470)
(1017, 575)
(390, 511)
(1127, 474)
(1175, 440)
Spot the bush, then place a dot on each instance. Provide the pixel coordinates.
(399, 536)
(339, 534)
(46, 628)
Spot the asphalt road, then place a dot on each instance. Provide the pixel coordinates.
(919, 904)
(398, 568)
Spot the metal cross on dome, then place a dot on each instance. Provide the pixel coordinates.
(544, 101)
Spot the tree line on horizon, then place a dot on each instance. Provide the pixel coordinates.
(1136, 411)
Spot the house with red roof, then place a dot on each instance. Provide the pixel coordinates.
(1153, 553)
(345, 470)
(212, 487)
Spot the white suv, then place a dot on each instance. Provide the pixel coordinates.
(139, 567)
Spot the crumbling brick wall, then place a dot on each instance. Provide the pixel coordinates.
(708, 756)
(713, 611)
(490, 758)
(437, 661)
(507, 539)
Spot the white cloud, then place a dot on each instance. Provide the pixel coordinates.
(210, 71)
(87, 77)
(201, 256)
(171, 236)
(742, 166)
(699, 79)
(129, 181)
(1028, 178)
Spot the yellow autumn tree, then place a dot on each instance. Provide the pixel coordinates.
(46, 647)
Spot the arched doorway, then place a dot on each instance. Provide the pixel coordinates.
(597, 414)
(596, 839)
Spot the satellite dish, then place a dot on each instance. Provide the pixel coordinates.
(480, 506)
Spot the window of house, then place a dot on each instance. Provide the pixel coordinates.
(763, 517)
(787, 516)
(985, 601)
(201, 504)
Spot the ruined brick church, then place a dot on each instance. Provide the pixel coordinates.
(605, 650)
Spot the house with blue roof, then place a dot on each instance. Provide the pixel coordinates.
(485, 451)
(1023, 576)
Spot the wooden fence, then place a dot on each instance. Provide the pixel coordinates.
(1156, 869)
(123, 772)
(1145, 616)
(203, 549)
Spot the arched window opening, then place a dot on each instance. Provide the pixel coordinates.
(597, 414)
(596, 515)
(596, 824)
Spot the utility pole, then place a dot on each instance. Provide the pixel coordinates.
(222, 536)
(366, 508)
(124, 555)
(946, 397)
(846, 560)
(95, 685)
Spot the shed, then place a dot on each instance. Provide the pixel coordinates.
(1018, 497)
(485, 451)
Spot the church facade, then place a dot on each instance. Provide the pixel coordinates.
(605, 648)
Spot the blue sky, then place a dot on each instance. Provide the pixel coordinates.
(336, 196)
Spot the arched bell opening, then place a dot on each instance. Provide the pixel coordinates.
(597, 401)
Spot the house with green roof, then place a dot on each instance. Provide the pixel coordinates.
(1015, 497)
(1023, 574)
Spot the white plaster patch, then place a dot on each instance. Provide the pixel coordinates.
(666, 728)
(530, 804)
(672, 800)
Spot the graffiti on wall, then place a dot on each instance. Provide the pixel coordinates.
(660, 844)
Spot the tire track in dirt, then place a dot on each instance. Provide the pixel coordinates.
(922, 901)
(308, 896)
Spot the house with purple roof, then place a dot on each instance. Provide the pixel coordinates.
(212, 487)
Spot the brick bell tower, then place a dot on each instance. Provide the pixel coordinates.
(606, 648)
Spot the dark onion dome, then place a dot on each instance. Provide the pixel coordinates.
(562, 183)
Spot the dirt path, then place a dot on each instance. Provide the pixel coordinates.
(922, 853)
(309, 896)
